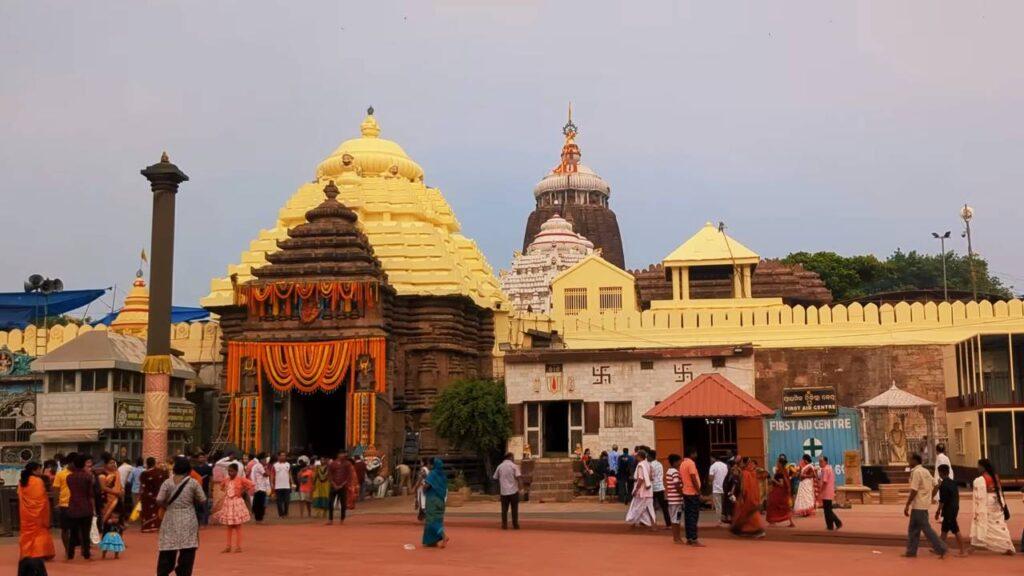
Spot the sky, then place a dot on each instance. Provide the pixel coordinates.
(856, 127)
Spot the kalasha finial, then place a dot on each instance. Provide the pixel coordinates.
(369, 111)
(331, 191)
(164, 158)
(570, 130)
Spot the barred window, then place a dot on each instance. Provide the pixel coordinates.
(575, 300)
(61, 381)
(618, 414)
(611, 298)
(718, 361)
(553, 368)
(647, 364)
(94, 380)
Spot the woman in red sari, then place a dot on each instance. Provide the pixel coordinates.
(778, 494)
(151, 480)
(34, 540)
(746, 517)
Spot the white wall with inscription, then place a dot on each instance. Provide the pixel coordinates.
(74, 411)
(616, 381)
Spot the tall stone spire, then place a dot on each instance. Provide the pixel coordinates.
(578, 194)
(164, 179)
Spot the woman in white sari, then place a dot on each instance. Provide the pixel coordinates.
(807, 493)
(641, 507)
(988, 527)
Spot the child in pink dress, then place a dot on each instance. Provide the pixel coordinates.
(232, 511)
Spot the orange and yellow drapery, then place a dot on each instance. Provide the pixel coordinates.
(307, 298)
(361, 417)
(304, 366)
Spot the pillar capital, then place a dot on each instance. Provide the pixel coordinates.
(164, 176)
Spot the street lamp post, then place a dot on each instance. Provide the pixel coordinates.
(942, 241)
(966, 213)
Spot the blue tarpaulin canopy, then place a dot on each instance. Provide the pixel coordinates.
(19, 309)
(178, 314)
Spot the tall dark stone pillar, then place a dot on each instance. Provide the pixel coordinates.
(164, 178)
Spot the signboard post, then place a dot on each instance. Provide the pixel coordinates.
(129, 414)
(807, 402)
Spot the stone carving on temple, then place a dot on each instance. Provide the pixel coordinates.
(554, 249)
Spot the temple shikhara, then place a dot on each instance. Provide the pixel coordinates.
(344, 321)
(575, 192)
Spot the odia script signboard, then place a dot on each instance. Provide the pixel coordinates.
(128, 414)
(804, 402)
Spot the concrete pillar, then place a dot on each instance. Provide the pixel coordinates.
(684, 282)
(737, 282)
(748, 291)
(164, 179)
(675, 282)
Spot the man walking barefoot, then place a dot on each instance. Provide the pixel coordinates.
(921, 486)
(828, 493)
(691, 496)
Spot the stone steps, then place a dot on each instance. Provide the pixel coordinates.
(552, 481)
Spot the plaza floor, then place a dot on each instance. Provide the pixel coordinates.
(383, 537)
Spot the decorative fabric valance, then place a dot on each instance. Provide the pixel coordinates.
(309, 366)
(308, 299)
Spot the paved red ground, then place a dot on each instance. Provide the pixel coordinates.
(554, 540)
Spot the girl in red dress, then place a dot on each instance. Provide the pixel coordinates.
(231, 510)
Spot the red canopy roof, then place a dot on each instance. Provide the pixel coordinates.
(709, 395)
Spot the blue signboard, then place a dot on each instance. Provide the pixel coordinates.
(830, 436)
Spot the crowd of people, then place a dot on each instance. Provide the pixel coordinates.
(746, 497)
(97, 496)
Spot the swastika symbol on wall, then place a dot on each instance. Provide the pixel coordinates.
(601, 375)
(683, 372)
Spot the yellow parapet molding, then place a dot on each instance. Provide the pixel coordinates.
(773, 327)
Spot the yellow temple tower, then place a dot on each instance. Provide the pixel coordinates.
(133, 319)
(410, 225)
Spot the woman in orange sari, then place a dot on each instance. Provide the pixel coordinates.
(778, 509)
(746, 517)
(110, 485)
(34, 541)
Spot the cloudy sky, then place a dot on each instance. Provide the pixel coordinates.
(854, 127)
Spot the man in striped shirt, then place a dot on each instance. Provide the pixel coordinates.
(674, 496)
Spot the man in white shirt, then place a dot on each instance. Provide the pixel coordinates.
(259, 478)
(716, 476)
(124, 472)
(658, 486)
(282, 484)
(921, 487)
(941, 458)
(508, 474)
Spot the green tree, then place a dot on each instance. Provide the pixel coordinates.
(857, 276)
(845, 276)
(473, 415)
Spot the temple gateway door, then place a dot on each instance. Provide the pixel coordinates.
(318, 421)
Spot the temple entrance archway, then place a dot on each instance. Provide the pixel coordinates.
(318, 422)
